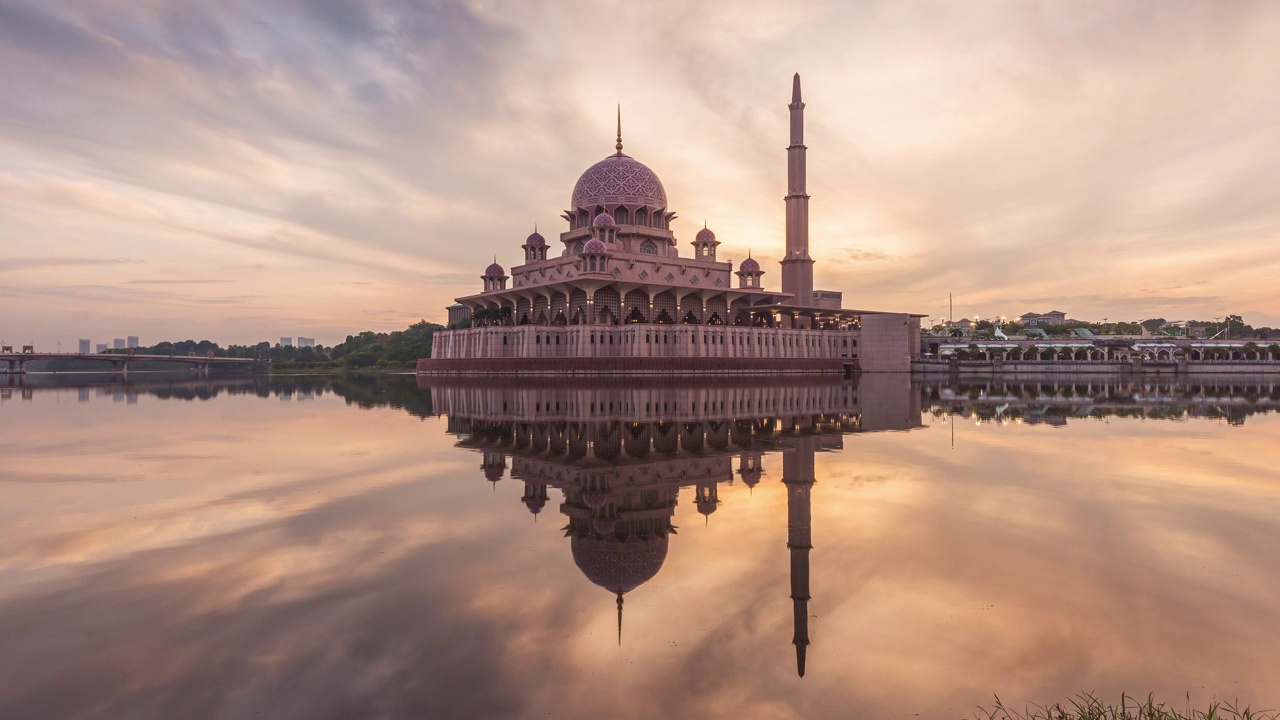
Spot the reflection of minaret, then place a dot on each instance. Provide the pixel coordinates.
(797, 475)
(797, 266)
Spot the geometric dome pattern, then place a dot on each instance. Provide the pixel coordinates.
(619, 567)
(749, 265)
(619, 180)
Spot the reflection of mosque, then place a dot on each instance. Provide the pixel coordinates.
(620, 458)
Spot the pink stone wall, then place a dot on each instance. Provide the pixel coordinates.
(634, 366)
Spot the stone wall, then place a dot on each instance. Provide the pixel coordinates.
(889, 342)
(643, 340)
(568, 366)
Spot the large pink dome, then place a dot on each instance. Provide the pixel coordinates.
(619, 180)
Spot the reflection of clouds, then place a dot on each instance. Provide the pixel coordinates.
(345, 562)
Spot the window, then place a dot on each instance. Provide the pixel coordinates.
(649, 247)
(579, 246)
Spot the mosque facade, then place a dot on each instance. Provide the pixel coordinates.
(617, 296)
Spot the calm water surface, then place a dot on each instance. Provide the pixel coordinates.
(321, 548)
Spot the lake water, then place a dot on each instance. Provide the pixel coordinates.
(323, 548)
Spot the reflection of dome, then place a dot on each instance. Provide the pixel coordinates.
(619, 567)
(494, 473)
(535, 240)
(604, 219)
(749, 265)
(603, 526)
(705, 235)
(535, 504)
(494, 270)
(594, 246)
(594, 499)
(619, 180)
(750, 477)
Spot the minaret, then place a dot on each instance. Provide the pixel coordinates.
(797, 266)
(797, 475)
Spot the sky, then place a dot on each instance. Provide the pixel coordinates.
(251, 169)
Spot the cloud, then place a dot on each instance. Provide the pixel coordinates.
(1003, 153)
(51, 263)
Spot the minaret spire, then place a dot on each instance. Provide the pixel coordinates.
(619, 145)
(797, 266)
(798, 477)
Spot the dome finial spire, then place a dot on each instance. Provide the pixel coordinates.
(619, 619)
(619, 145)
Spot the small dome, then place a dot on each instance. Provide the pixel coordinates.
(494, 473)
(594, 499)
(604, 219)
(705, 235)
(535, 505)
(535, 240)
(749, 265)
(494, 270)
(751, 477)
(603, 526)
(595, 246)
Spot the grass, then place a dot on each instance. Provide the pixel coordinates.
(1088, 707)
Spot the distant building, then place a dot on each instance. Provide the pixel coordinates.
(306, 342)
(117, 343)
(102, 347)
(133, 341)
(964, 325)
(286, 342)
(1053, 317)
(84, 346)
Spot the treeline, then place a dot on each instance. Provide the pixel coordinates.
(401, 348)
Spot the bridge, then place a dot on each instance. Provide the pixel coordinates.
(16, 363)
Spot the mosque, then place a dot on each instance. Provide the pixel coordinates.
(619, 298)
(622, 457)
